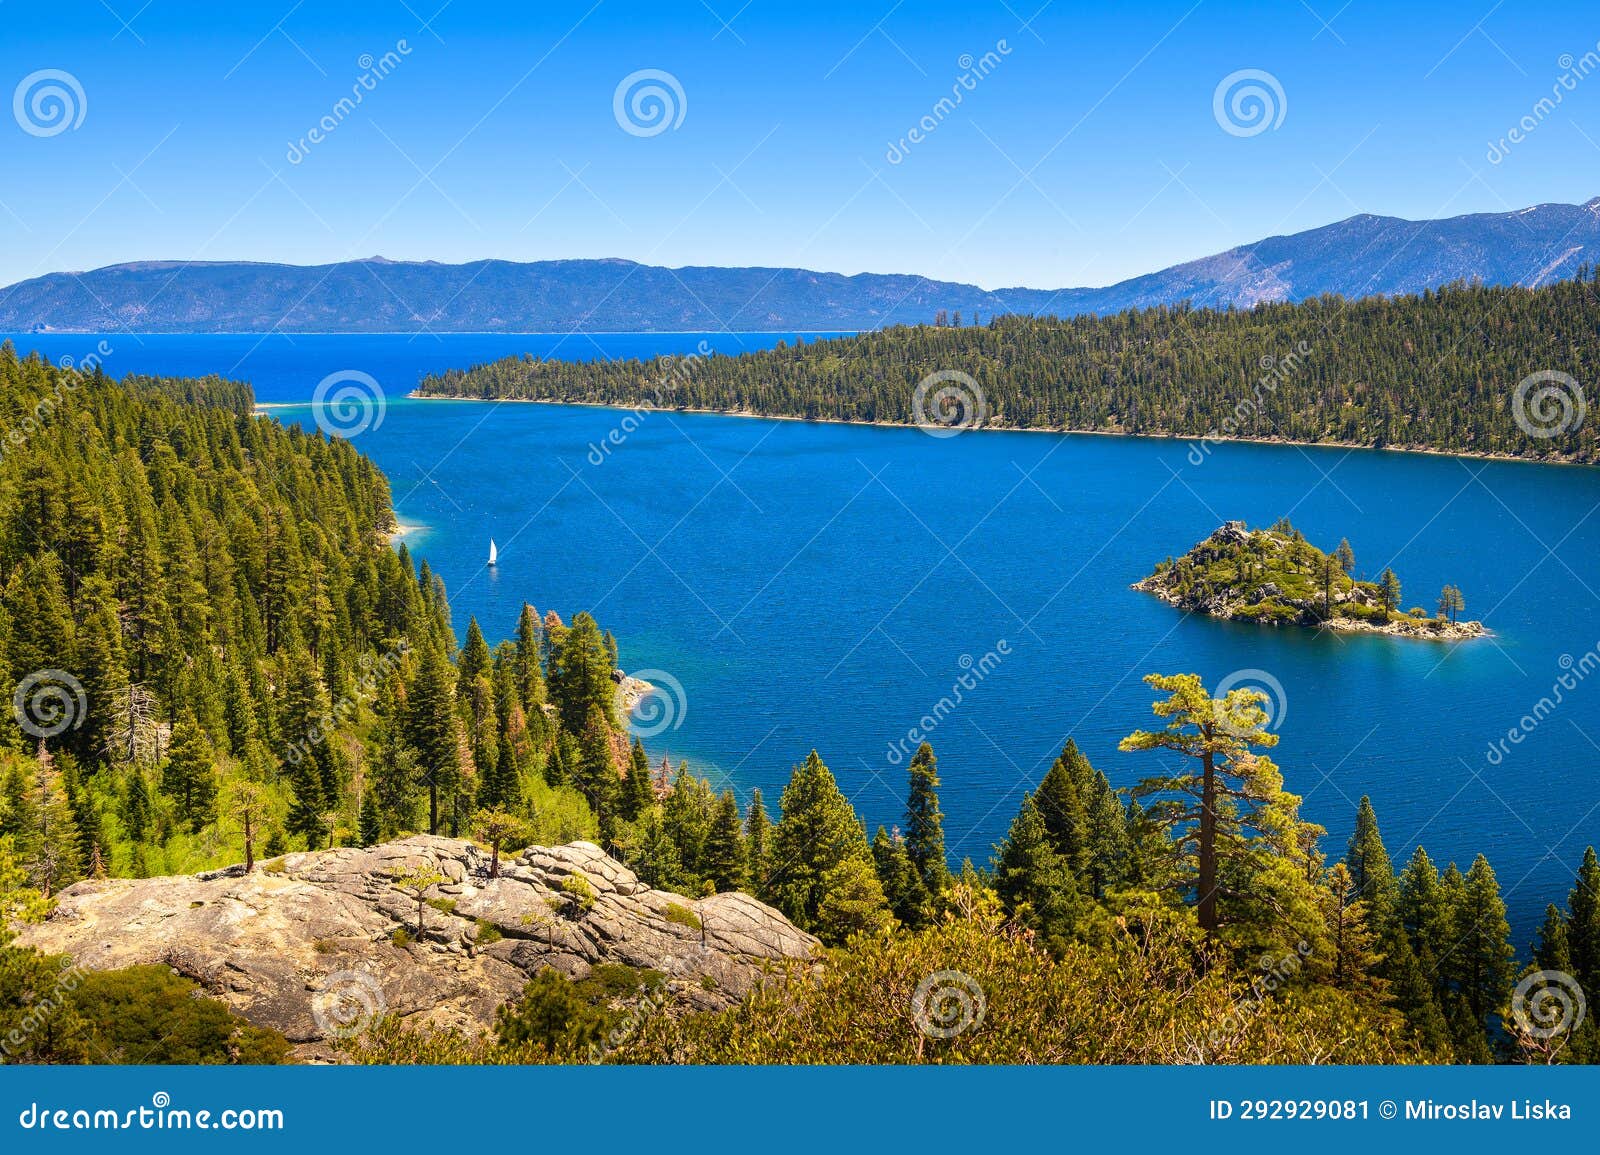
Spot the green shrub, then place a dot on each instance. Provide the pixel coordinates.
(681, 915)
(578, 887)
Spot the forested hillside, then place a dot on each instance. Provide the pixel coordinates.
(1446, 370)
(217, 657)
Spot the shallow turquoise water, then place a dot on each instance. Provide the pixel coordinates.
(814, 585)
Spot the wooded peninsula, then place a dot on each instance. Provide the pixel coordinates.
(1467, 369)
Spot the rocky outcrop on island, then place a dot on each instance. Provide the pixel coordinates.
(1276, 577)
(318, 944)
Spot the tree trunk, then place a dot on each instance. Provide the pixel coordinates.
(433, 808)
(249, 845)
(1208, 846)
(494, 862)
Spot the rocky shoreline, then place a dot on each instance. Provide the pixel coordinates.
(1433, 629)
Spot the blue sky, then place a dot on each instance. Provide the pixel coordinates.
(1089, 152)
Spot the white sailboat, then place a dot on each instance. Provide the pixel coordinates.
(494, 554)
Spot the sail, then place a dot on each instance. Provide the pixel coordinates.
(494, 554)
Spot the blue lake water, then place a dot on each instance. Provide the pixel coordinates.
(817, 585)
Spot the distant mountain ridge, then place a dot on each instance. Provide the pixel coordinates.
(1362, 256)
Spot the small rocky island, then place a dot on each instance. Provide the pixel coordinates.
(1276, 577)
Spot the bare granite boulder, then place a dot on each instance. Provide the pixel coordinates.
(320, 944)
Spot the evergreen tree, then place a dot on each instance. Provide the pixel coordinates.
(1062, 801)
(1109, 845)
(1483, 961)
(1035, 880)
(1354, 963)
(924, 837)
(725, 852)
(637, 794)
(1389, 590)
(903, 888)
(307, 804)
(654, 857)
(189, 777)
(434, 733)
(596, 773)
(1237, 834)
(757, 840)
(580, 675)
(816, 834)
(1583, 903)
(136, 810)
(54, 856)
(688, 811)
(852, 901)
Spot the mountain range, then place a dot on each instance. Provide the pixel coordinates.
(1362, 256)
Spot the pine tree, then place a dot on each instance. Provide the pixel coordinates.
(687, 812)
(529, 664)
(189, 777)
(817, 833)
(1237, 833)
(1583, 903)
(307, 804)
(654, 857)
(725, 853)
(637, 794)
(596, 773)
(757, 840)
(1354, 962)
(136, 810)
(1345, 556)
(903, 888)
(1035, 880)
(1063, 804)
(434, 733)
(852, 901)
(1389, 590)
(473, 662)
(1109, 846)
(924, 836)
(54, 857)
(1483, 961)
(580, 675)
